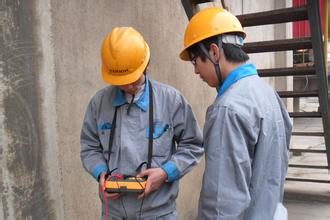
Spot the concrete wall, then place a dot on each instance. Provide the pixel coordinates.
(25, 181)
(50, 68)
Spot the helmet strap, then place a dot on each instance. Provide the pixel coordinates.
(216, 63)
(218, 72)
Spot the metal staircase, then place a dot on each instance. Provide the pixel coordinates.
(310, 12)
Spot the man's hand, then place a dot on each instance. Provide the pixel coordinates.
(108, 195)
(156, 177)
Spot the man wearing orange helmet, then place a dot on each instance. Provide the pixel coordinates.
(247, 129)
(138, 121)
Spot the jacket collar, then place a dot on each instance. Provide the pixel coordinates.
(142, 102)
(237, 74)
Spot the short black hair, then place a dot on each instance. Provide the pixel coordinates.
(232, 52)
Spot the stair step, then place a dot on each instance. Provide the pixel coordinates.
(307, 180)
(278, 45)
(298, 133)
(293, 94)
(274, 16)
(300, 150)
(195, 2)
(308, 166)
(289, 71)
(305, 114)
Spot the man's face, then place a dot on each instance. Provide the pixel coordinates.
(134, 87)
(205, 70)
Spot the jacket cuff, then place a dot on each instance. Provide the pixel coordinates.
(172, 171)
(98, 170)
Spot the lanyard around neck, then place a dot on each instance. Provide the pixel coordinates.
(151, 128)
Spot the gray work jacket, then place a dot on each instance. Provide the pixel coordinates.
(246, 139)
(177, 143)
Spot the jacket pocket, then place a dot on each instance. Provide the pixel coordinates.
(162, 139)
(159, 130)
(104, 130)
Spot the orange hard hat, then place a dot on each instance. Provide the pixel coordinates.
(207, 23)
(125, 56)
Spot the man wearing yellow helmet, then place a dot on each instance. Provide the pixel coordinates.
(134, 122)
(247, 129)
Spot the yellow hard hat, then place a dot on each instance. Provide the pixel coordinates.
(125, 56)
(207, 23)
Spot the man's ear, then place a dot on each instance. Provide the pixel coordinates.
(214, 52)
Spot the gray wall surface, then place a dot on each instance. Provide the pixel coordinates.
(50, 68)
(23, 174)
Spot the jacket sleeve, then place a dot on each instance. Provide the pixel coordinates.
(225, 192)
(91, 152)
(188, 138)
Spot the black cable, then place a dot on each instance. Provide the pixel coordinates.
(138, 182)
(122, 204)
(138, 169)
(142, 198)
(121, 200)
(130, 105)
(141, 208)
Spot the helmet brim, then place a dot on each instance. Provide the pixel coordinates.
(184, 55)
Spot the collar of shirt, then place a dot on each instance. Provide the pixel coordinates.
(142, 102)
(237, 74)
(129, 97)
